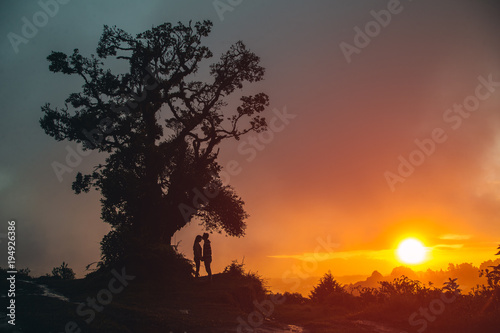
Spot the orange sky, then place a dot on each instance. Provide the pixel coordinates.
(322, 177)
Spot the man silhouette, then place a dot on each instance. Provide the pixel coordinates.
(207, 255)
(197, 254)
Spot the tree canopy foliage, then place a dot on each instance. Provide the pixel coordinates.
(160, 128)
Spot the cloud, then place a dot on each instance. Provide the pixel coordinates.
(455, 237)
(450, 246)
(322, 256)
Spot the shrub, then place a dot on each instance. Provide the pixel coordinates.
(294, 298)
(327, 289)
(452, 286)
(63, 272)
(24, 272)
(367, 294)
(163, 262)
(235, 268)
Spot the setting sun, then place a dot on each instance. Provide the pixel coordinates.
(411, 251)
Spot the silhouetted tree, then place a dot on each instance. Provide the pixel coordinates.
(326, 287)
(451, 286)
(63, 272)
(293, 298)
(402, 285)
(493, 277)
(160, 129)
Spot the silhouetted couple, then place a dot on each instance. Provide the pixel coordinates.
(206, 256)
